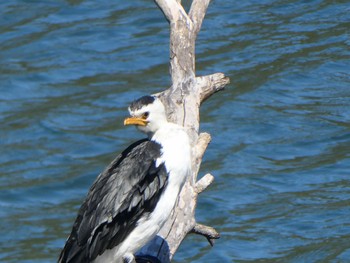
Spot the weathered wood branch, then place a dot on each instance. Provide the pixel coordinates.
(210, 84)
(199, 150)
(210, 233)
(172, 10)
(182, 101)
(197, 12)
(203, 183)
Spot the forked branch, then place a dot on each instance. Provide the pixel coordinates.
(172, 10)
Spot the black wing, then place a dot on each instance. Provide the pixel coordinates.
(128, 188)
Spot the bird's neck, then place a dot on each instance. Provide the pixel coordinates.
(166, 131)
(161, 128)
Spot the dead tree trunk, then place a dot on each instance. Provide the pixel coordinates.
(182, 101)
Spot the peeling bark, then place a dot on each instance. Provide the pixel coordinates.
(182, 101)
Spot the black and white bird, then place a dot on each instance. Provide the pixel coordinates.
(133, 197)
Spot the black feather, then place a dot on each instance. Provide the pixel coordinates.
(141, 102)
(127, 189)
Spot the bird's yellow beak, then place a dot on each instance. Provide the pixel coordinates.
(135, 121)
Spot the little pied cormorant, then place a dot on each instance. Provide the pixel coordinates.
(133, 197)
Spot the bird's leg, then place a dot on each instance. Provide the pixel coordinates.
(129, 258)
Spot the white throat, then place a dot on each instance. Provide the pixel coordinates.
(176, 152)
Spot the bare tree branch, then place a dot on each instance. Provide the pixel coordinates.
(181, 43)
(182, 101)
(203, 183)
(197, 13)
(210, 84)
(198, 152)
(210, 233)
(172, 10)
(204, 139)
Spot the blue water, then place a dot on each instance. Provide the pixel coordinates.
(280, 152)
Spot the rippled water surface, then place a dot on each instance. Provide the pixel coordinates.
(281, 130)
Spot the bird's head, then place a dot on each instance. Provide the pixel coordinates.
(147, 113)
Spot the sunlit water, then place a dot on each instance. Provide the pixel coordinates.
(281, 130)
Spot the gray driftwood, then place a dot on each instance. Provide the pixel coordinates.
(182, 101)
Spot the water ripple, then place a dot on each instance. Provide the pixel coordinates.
(281, 131)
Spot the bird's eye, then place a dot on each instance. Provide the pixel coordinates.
(145, 115)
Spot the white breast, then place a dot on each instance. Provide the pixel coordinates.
(176, 153)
